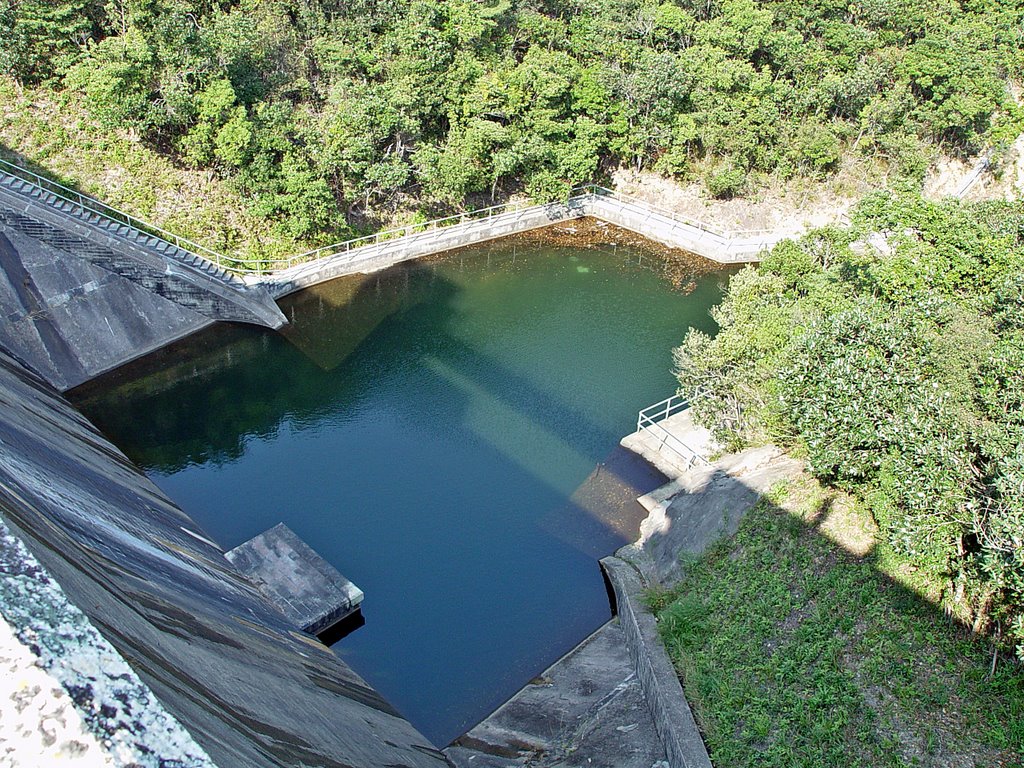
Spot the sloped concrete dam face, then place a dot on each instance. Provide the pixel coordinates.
(80, 295)
(252, 690)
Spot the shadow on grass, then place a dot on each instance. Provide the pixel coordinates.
(799, 643)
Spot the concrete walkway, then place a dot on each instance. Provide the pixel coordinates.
(706, 499)
(587, 710)
(671, 444)
(703, 500)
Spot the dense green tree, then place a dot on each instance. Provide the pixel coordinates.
(436, 100)
(43, 38)
(895, 363)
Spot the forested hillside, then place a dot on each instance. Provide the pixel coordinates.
(321, 114)
(895, 365)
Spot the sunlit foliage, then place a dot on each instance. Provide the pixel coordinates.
(891, 354)
(366, 101)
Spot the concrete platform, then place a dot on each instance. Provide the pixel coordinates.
(307, 588)
(655, 444)
(587, 710)
(704, 499)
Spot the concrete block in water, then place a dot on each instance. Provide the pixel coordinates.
(307, 588)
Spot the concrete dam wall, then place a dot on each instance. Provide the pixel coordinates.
(82, 293)
(251, 689)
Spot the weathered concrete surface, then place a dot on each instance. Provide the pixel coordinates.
(634, 216)
(639, 218)
(586, 710)
(80, 295)
(606, 206)
(670, 444)
(66, 696)
(659, 684)
(703, 500)
(701, 506)
(371, 258)
(249, 686)
(306, 588)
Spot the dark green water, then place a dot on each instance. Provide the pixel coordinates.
(446, 435)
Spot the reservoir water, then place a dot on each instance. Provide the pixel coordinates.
(445, 434)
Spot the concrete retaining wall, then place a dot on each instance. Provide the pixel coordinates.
(648, 222)
(672, 716)
(633, 216)
(251, 689)
(370, 258)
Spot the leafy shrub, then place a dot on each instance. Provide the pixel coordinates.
(726, 182)
(897, 371)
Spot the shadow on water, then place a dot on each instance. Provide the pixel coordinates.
(393, 429)
(341, 630)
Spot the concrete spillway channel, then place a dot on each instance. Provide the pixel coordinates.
(82, 293)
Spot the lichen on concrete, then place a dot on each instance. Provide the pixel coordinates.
(66, 694)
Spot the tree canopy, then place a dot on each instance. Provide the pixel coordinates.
(317, 108)
(891, 354)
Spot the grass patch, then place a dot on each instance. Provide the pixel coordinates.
(53, 130)
(798, 645)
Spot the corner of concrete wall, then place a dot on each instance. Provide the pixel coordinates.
(672, 716)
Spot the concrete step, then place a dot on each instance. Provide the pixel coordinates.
(114, 226)
(308, 590)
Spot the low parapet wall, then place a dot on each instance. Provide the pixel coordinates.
(660, 226)
(662, 690)
(725, 248)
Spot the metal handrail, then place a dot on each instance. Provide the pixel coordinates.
(726, 234)
(677, 446)
(662, 410)
(100, 208)
(577, 195)
(648, 421)
(335, 249)
(239, 267)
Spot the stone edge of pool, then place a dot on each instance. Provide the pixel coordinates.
(662, 690)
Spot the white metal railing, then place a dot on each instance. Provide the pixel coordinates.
(578, 196)
(410, 231)
(972, 178)
(725, 234)
(99, 208)
(648, 420)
